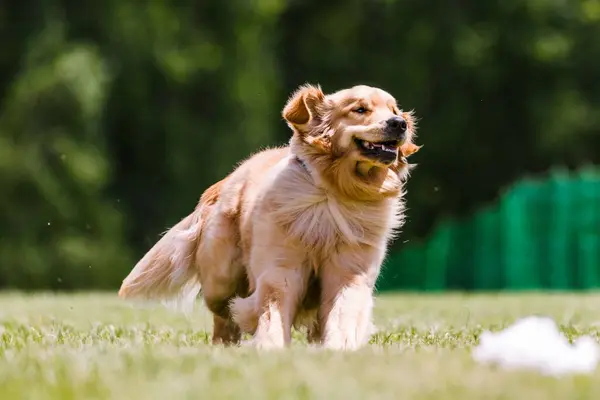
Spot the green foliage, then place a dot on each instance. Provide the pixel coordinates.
(544, 233)
(115, 117)
(59, 231)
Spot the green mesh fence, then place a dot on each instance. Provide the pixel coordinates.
(542, 234)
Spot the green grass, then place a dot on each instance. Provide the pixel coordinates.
(91, 346)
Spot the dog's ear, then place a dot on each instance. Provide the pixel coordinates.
(303, 106)
(409, 148)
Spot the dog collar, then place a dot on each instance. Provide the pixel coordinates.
(301, 162)
(316, 179)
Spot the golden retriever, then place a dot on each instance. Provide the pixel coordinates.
(294, 236)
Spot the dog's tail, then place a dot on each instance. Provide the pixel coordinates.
(168, 271)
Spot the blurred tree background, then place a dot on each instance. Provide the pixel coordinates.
(116, 115)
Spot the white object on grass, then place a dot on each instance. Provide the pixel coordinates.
(536, 343)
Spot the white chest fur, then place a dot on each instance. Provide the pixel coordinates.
(317, 219)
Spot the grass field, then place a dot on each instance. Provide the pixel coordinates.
(89, 346)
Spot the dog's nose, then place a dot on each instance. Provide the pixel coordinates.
(397, 124)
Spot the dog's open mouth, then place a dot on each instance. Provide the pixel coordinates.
(390, 145)
(385, 152)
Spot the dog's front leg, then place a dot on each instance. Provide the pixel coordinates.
(345, 314)
(280, 286)
(270, 311)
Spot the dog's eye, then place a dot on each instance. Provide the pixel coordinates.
(360, 110)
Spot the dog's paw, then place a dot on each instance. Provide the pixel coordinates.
(262, 344)
(341, 346)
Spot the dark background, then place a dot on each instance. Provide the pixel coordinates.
(115, 116)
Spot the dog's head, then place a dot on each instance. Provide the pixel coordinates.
(359, 132)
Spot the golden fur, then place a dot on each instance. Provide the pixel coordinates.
(294, 236)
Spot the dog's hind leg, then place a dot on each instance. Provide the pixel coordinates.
(270, 311)
(221, 274)
(225, 331)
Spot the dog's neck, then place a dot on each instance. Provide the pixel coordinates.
(302, 163)
(316, 178)
(302, 159)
